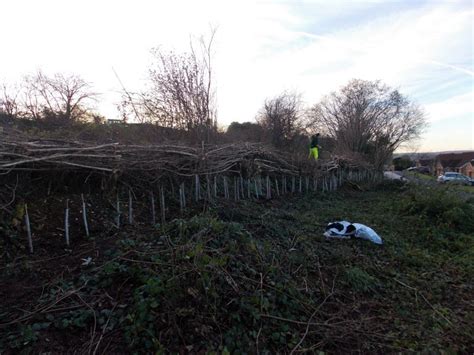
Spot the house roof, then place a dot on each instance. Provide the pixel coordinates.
(426, 162)
(455, 160)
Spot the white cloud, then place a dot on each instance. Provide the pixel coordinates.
(395, 48)
(454, 107)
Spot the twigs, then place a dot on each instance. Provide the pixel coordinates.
(417, 292)
(311, 318)
(104, 329)
(42, 309)
(91, 343)
(20, 154)
(4, 206)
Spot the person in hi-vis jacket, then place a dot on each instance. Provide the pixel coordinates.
(314, 147)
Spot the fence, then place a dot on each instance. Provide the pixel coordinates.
(152, 184)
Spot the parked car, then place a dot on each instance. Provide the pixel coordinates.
(455, 178)
(420, 169)
(424, 170)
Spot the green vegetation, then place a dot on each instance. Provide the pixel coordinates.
(420, 176)
(260, 277)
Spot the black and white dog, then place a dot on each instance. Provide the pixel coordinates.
(340, 229)
(346, 230)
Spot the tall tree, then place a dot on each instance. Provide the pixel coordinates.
(180, 92)
(369, 119)
(65, 97)
(245, 132)
(281, 117)
(9, 100)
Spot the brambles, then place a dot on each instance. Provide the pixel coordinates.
(442, 209)
(252, 275)
(360, 280)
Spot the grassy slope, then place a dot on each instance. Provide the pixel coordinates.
(260, 276)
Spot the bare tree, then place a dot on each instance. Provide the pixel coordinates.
(66, 97)
(281, 117)
(245, 132)
(9, 100)
(369, 119)
(180, 93)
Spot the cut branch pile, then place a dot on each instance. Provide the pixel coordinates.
(246, 159)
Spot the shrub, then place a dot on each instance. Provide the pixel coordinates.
(360, 280)
(440, 208)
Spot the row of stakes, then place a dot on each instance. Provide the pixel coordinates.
(329, 183)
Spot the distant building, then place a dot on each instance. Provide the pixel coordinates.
(456, 162)
(113, 121)
(462, 163)
(428, 163)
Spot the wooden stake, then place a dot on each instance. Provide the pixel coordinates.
(28, 230)
(276, 186)
(66, 223)
(226, 188)
(236, 189)
(153, 213)
(84, 216)
(208, 188)
(197, 191)
(269, 188)
(117, 217)
(130, 207)
(256, 187)
(182, 197)
(300, 186)
(162, 205)
(215, 186)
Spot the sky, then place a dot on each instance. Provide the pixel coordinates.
(422, 48)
